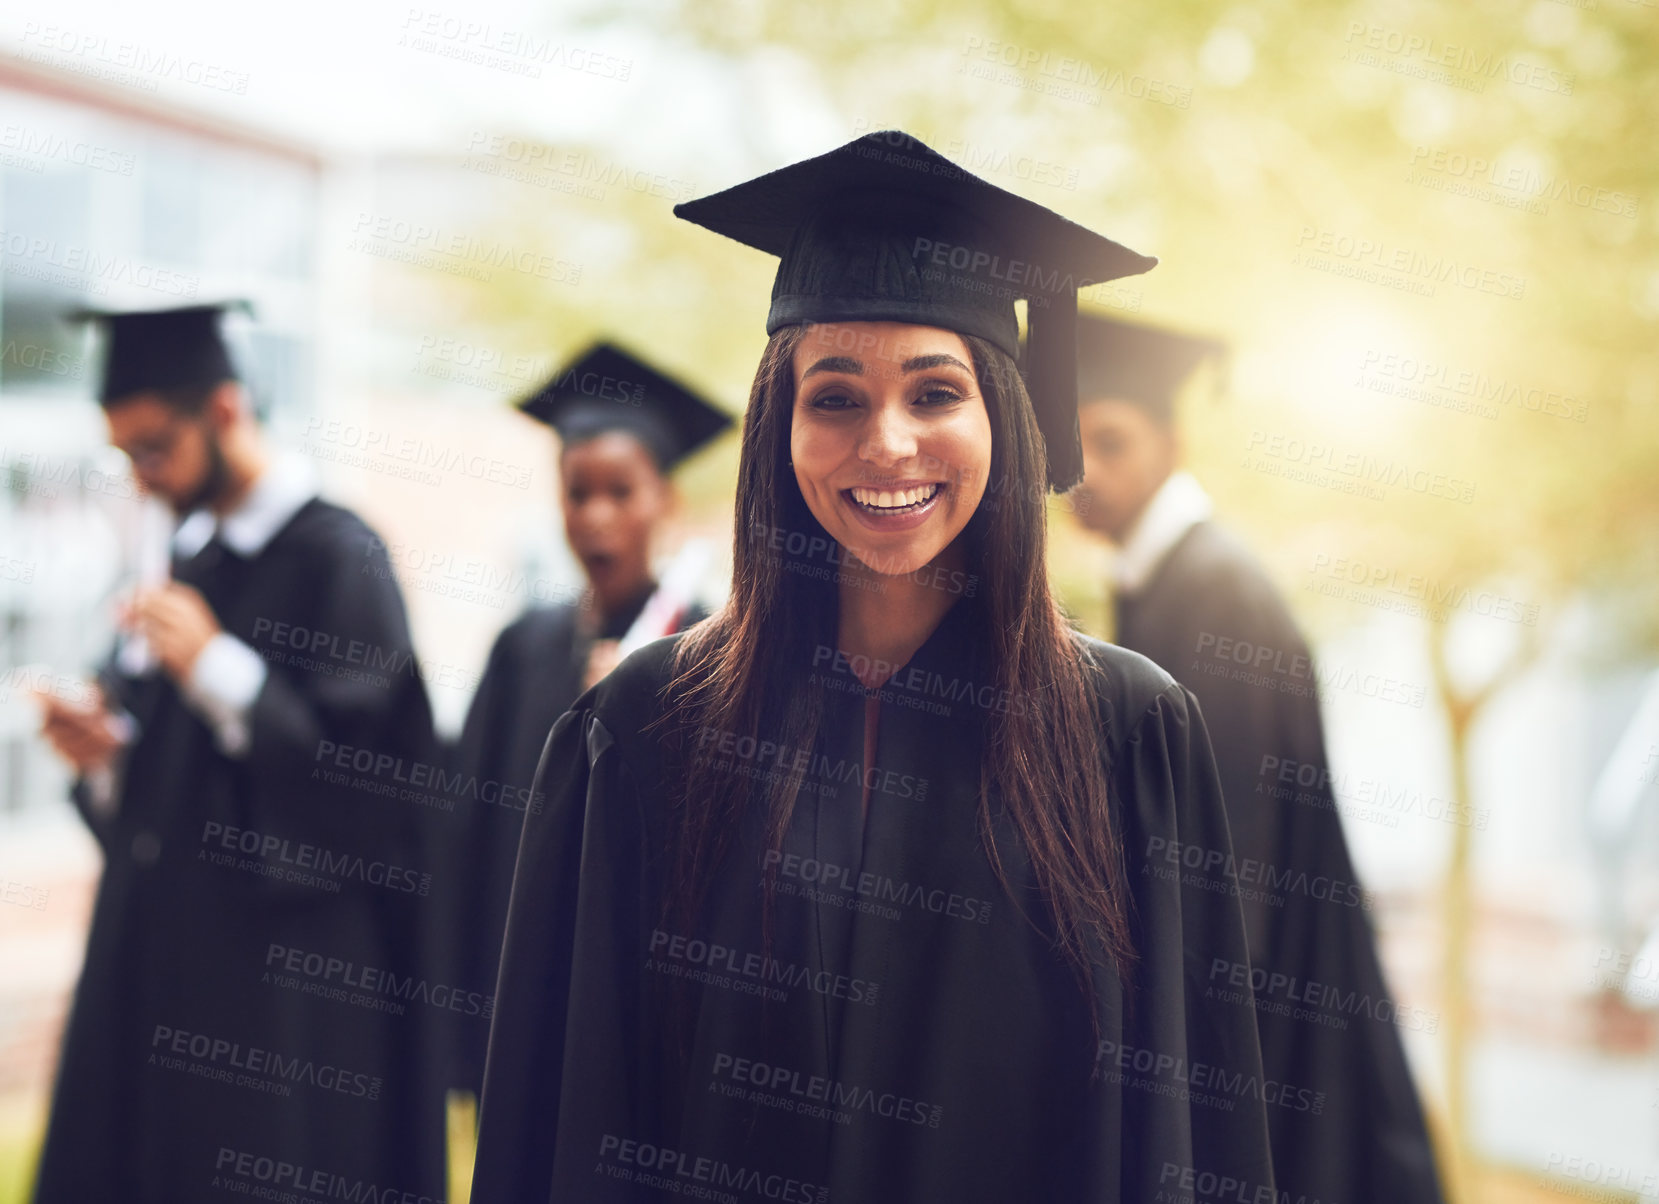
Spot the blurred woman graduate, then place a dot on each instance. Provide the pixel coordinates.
(623, 428)
(882, 883)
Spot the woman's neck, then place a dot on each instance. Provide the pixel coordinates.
(886, 618)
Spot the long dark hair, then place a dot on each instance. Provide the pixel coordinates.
(1043, 760)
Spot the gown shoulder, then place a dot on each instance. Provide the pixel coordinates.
(633, 692)
(1214, 580)
(324, 523)
(536, 626)
(1126, 685)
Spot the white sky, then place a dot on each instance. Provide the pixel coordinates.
(333, 75)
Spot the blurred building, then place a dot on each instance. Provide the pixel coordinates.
(105, 200)
(111, 202)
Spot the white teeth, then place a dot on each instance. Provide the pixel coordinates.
(887, 499)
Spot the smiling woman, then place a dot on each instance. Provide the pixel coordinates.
(862, 888)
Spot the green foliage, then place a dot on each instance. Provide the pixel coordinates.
(1307, 172)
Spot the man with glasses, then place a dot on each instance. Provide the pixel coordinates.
(241, 1004)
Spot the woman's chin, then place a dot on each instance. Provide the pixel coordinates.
(893, 558)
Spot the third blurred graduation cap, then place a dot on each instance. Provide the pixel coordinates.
(606, 389)
(160, 349)
(886, 229)
(1145, 365)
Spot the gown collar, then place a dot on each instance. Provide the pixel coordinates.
(279, 493)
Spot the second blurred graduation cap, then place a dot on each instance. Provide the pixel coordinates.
(161, 349)
(1144, 365)
(605, 389)
(886, 229)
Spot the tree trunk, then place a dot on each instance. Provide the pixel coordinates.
(1458, 907)
(1456, 1009)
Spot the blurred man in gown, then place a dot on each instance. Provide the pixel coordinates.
(243, 1020)
(1190, 596)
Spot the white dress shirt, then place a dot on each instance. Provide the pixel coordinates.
(1179, 504)
(228, 674)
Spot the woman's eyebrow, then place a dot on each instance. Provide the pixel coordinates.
(836, 363)
(921, 363)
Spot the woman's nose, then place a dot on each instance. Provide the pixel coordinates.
(889, 437)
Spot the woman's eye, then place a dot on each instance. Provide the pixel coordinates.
(939, 395)
(831, 401)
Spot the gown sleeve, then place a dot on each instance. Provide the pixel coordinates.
(472, 857)
(83, 793)
(481, 748)
(98, 798)
(1194, 1097)
(302, 723)
(570, 935)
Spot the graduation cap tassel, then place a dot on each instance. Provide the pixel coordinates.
(1051, 379)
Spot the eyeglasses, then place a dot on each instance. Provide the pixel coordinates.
(153, 452)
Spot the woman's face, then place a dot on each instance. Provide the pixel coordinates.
(890, 439)
(614, 497)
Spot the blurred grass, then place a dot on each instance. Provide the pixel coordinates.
(461, 1113)
(22, 1124)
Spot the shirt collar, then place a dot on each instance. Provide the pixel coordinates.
(1179, 505)
(276, 496)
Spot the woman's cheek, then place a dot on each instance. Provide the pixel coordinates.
(968, 466)
(814, 457)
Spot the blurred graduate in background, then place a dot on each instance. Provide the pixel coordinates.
(623, 428)
(1186, 592)
(203, 1021)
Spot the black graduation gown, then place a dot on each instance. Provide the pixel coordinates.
(203, 1056)
(1212, 618)
(904, 1034)
(535, 671)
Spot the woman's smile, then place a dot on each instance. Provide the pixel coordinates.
(894, 507)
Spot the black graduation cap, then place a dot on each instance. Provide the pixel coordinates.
(606, 389)
(886, 229)
(1145, 365)
(155, 349)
